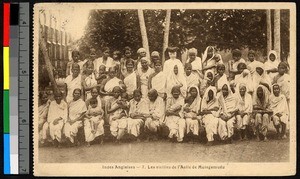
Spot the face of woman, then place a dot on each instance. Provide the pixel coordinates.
(241, 68)
(221, 70)
(142, 54)
(194, 92)
(90, 69)
(111, 73)
(272, 57)
(115, 56)
(144, 64)
(172, 55)
(157, 67)
(210, 52)
(188, 70)
(192, 56)
(94, 93)
(106, 53)
(44, 98)
(259, 71)
(58, 98)
(116, 93)
(281, 69)
(76, 94)
(129, 67)
(251, 57)
(137, 96)
(152, 97)
(243, 90)
(175, 70)
(225, 91)
(210, 76)
(128, 53)
(276, 90)
(260, 93)
(75, 70)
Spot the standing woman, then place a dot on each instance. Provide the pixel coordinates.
(210, 113)
(144, 75)
(73, 81)
(283, 80)
(104, 60)
(271, 64)
(142, 53)
(158, 80)
(228, 110)
(191, 111)
(77, 110)
(210, 59)
(207, 81)
(261, 111)
(279, 106)
(245, 107)
(89, 80)
(175, 79)
(174, 115)
(195, 61)
(260, 77)
(132, 79)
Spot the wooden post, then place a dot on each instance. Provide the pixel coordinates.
(144, 32)
(166, 34)
(269, 31)
(277, 32)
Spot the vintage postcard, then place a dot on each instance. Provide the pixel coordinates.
(164, 89)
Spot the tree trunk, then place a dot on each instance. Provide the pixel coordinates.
(144, 32)
(277, 32)
(269, 31)
(166, 34)
(42, 45)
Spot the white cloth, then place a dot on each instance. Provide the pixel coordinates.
(71, 85)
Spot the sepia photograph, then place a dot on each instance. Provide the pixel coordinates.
(164, 89)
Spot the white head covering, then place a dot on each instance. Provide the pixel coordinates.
(193, 50)
(140, 50)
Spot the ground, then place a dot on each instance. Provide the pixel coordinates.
(165, 151)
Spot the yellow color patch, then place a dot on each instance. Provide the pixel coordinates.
(6, 68)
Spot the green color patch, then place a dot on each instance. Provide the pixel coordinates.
(6, 112)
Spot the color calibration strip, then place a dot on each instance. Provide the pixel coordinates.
(6, 112)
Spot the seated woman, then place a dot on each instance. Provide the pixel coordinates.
(57, 116)
(174, 115)
(43, 113)
(156, 113)
(144, 74)
(228, 111)
(210, 113)
(158, 80)
(279, 106)
(176, 80)
(117, 114)
(261, 111)
(138, 113)
(93, 123)
(132, 79)
(245, 110)
(190, 111)
(77, 110)
(89, 80)
(210, 59)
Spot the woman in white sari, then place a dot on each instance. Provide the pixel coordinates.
(243, 78)
(57, 116)
(195, 62)
(210, 59)
(279, 106)
(132, 79)
(89, 80)
(73, 81)
(176, 80)
(191, 110)
(228, 110)
(221, 78)
(174, 115)
(271, 64)
(191, 78)
(207, 81)
(283, 80)
(210, 113)
(43, 113)
(245, 107)
(260, 77)
(77, 110)
(158, 80)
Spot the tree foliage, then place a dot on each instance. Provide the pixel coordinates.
(226, 29)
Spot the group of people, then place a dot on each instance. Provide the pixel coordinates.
(145, 97)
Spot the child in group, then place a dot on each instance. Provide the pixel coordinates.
(279, 106)
(192, 79)
(93, 124)
(174, 115)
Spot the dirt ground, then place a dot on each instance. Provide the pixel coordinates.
(165, 151)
